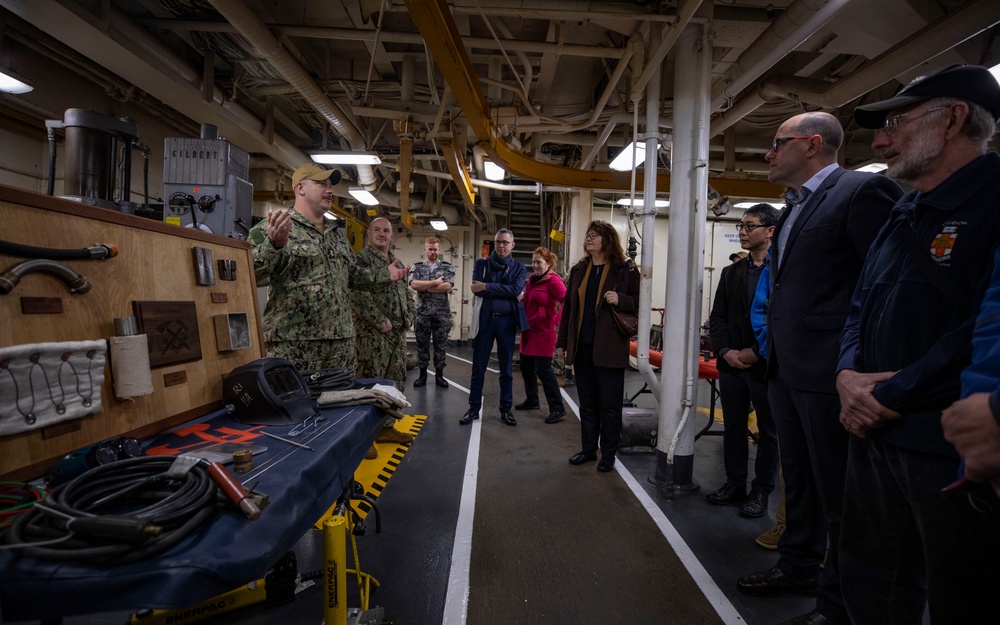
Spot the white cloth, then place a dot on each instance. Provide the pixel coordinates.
(477, 307)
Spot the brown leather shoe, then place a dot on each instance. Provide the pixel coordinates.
(769, 539)
(392, 435)
(372, 453)
(774, 582)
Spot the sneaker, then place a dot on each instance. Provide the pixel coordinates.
(392, 435)
(372, 453)
(527, 405)
(769, 539)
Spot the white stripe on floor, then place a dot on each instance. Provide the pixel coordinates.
(456, 603)
(708, 587)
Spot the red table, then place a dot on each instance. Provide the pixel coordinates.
(707, 370)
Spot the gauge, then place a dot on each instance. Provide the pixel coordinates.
(180, 203)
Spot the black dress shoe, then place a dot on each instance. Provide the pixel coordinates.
(526, 405)
(774, 582)
(755, 506)
(727, 494)
(556, 416)
(469, 417)
(582, 457)
(813, 618)
(506, 418)
(606, 465)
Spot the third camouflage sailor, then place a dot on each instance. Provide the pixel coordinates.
(432, 279)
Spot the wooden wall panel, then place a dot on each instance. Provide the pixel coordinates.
(155, 262)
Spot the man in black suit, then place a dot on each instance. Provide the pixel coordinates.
(819, 247)
(742, 369)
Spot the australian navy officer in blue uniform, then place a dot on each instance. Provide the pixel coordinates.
(433, 280)
(498, 279)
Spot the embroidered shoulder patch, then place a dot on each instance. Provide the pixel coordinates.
(943, 243)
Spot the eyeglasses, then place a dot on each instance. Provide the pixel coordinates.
(591, 235)
(777, 143)
(502, 242)
(892, 123)
(749, 227)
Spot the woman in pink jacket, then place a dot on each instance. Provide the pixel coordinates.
(543, 294)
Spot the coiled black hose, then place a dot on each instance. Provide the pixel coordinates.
(324, 380)
(117, 513)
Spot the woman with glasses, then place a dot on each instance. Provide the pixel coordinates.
(543, 294)
(602, 280)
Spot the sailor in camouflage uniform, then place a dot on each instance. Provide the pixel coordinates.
(381, 318)
(311, 266)
(381, 315)
(432, 279)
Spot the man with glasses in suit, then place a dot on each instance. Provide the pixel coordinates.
(819, 246)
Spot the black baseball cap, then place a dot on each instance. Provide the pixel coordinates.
(972, 83)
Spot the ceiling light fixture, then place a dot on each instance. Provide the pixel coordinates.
(746, 205)
(12, 83)
(346, 158)
(623, 162)
(873, 167)
(363, 195)
(640, 202)
(438, 224)
(493, 171)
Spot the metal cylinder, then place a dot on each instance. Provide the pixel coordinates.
(90, 157)
(126, 326)
(209, 131)
(335, 556)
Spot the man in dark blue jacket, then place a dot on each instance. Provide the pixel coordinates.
(498, 279)
(904, 542)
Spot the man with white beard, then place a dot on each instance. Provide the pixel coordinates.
(907, 538)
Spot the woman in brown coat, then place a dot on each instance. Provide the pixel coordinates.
(593, 345)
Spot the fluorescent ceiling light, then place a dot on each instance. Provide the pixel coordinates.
(639, 202)
(623, 162)
(746, 205)
(438, 224)
(873, 167)
(493, 171)
(346, 158)
(12, 83)
(363, 195)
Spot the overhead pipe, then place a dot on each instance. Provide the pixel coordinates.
(654, 62)
(270, 49)
(434, 21)
(941, 35)
(800, 21)
(553, 9)
(141, 59)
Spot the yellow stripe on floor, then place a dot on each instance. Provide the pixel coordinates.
(718, 417)
(374, 474)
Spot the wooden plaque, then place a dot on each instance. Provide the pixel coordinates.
(171, 329)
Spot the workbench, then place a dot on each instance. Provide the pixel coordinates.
(226, 551)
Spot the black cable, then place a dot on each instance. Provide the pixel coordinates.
(117, 513)
(98, 251)
(324, 380)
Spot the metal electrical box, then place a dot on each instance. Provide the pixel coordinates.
(206, 186)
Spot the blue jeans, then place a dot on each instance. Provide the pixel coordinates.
(905, 543)
(500, 330)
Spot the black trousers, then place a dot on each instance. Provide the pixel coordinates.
(601, 391)
(737, 390)
(534, 368)
(813, 450)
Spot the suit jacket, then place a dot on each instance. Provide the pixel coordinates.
(729, 322)
(812, 285)
(611, 349)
